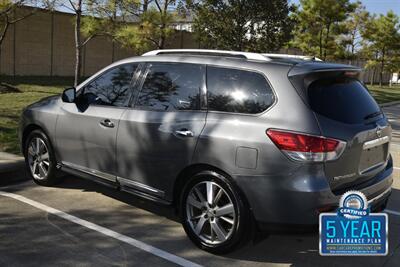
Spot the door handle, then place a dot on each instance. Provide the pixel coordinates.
(185, 133)
(107, 123)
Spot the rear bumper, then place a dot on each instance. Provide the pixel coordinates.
(298, 198)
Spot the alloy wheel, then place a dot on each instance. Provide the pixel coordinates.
(38, 158)
(210, 212)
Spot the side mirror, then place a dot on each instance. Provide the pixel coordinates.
(69, 95)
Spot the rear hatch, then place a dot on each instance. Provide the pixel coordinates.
(345, 110)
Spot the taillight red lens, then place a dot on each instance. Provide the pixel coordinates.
(290, 141)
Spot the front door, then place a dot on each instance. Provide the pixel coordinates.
(157, 137)
(86, 131)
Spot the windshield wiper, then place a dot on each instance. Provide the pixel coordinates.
(372, 115)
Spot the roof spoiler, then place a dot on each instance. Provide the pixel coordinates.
(303, 74)
(288, 56)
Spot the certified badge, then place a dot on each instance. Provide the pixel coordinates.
(353, 230)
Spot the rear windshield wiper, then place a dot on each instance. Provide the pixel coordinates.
(372, 115)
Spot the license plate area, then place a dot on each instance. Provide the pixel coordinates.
(372, 157)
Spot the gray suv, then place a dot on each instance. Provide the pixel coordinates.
(235, 141)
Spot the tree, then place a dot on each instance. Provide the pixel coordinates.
(243, 25)
(84, 29)
(138, 25)
(158, 18)
(77, 6)
(354, 25)
(318, 25)
(153, 25)
(10, 15)
(107, 17)
(13, 11)
(382, 35)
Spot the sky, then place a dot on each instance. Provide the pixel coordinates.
(377, 6)
(373, 6)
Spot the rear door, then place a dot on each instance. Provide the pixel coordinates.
(157, 136)
(345, 110)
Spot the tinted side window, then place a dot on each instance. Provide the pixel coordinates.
(345, 100)
(170, 87)
(232, 90)
(111, 88)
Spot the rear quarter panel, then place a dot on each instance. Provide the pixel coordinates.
(227, 135)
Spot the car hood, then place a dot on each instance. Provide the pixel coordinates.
(45, 102)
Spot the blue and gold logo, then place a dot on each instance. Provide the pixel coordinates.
(353, 205)
(353, 230)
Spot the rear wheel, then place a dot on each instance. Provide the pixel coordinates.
(214, 215)
(40, 159)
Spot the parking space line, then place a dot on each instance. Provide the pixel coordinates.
(392, 212)
(396, 168)
(105, 231)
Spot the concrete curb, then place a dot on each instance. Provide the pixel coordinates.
(5, 155)
(12, 168)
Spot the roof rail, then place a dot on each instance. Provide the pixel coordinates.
(309, 58)
(206, 52)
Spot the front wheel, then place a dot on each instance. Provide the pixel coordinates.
(213, 213)
(40, 159)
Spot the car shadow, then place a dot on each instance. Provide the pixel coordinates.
(72, 182)
(299, 249)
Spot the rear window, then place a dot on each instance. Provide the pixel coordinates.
(344, 100)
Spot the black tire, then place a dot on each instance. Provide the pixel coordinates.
(52, 177)
(242, 228)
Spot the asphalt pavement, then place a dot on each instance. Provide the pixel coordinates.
(80, 223)
(393, 114)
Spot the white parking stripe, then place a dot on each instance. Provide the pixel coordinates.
(392, 212)
(126, 239)
(396, 168)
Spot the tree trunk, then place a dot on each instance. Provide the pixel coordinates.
(145, 5)
(352, 50)
(381, 69)
(373, 76)
(328, 28)
(2, 36)
(78, 46)
(240, 28)
(4, 31)
(320, 43)
(391, 79)
(161, 41)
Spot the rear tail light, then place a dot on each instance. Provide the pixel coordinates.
(303, 147)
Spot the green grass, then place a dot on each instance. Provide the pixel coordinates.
(34, 88)
(11, 104)
(385, 93)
